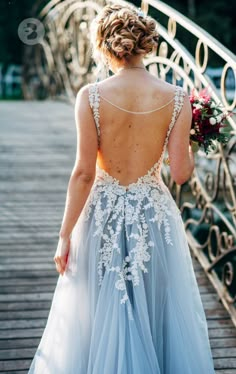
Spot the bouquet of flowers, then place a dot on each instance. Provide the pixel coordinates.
(207, 122)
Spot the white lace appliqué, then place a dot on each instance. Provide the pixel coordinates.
(116, 208)
(94, 101)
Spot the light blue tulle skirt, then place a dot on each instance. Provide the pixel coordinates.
(128, 302)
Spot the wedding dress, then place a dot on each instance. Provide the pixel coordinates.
(128, 302)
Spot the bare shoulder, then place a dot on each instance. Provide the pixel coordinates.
(168, 88)
(82, 98)
(83, 92)
(163, 85)
(160, 87)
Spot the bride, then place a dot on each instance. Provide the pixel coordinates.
(126, 300)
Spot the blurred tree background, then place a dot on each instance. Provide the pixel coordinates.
(216, 16)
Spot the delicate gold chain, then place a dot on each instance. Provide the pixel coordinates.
(129, 111)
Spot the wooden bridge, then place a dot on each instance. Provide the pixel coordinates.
(37, 152)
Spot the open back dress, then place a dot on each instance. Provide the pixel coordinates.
(128, 302)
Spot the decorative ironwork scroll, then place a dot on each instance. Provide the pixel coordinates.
(63, 59)
(208, 202)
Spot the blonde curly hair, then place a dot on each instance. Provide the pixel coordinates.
(120, 32)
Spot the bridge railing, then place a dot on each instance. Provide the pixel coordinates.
(208, 201)
(185, 56)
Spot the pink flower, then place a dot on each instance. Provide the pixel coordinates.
(204, 94)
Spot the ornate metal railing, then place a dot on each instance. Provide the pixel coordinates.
(63, 64)
(208, 201)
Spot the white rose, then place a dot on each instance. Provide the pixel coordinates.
(219, 119)
(215, 112)
(213, 105)
(192, 131)
(212, 121)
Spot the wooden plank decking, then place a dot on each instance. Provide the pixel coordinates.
(37, 150)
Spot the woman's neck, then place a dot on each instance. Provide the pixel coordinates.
(133, 63)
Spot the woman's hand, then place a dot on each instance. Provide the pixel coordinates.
(61, 255)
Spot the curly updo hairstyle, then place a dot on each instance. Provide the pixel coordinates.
(120, 32)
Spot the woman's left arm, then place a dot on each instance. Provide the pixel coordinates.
(82, 176)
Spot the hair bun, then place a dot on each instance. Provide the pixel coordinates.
(123, 31)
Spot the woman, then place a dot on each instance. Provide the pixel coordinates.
(127, 300)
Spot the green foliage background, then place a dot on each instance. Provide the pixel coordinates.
(218, 17)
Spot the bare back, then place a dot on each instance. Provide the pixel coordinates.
(130, 144)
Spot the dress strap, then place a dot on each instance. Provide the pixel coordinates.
(178, 104)
(94, 101)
